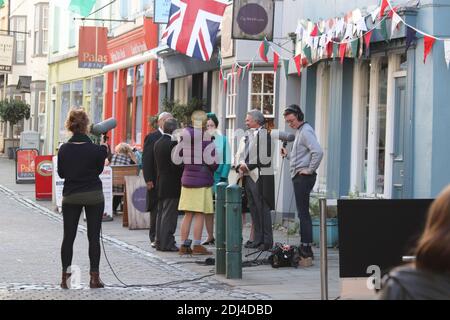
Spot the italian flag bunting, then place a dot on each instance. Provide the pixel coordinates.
(384, 5)
(82, 7)
(263, 50)
(276, 59)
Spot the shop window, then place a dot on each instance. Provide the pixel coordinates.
(97, 99)
(322, 121)
(130, 94)
(262, 95)
(41, 114)
(77, 94)
(64, 89)
(370, 136)
(139, 100)
(231, 110)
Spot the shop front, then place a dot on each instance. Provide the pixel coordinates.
(132, 87)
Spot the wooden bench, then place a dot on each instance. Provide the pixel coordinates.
(118, 177)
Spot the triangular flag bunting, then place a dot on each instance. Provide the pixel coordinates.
(286, 67)
(384, 5)
(307, 52)
(428, 45)
(315, 31)
(329, 49)
(410, 37)
(395, 22)
(298, 60)
(220, 75)
(335, 50)
(82, 7)
(354, 45)
(342, 49)
(263, 50)
(367, 38)
(391, 13)
(384, 33)
(225, 86)
(276, 59)
(239, 74)
(447, 52)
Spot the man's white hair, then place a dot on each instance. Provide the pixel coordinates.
(164, 115)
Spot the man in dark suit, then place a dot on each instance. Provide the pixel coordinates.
(149, 170)
(169, 189)
(255, 165)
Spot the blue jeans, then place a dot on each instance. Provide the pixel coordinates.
(302, 189)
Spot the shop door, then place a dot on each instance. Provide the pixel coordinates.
(400, 131)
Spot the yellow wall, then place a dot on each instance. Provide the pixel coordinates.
(59, 73)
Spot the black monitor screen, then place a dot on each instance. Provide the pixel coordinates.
(378, 232)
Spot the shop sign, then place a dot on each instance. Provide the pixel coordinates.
(93, 49)
(253, 19)
(25, 165)
(6, 53)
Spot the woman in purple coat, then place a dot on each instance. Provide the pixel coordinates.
(197, 152)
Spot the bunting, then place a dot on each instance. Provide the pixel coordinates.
(428, 45)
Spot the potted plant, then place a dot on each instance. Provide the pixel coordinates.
(13, 111)
(332, 223)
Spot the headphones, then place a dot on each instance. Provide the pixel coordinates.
(295, 109)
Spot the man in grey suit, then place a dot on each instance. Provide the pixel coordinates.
(169, 188)
(255, 165)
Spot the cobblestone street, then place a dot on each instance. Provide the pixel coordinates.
(30, 268)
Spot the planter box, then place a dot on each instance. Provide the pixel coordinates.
(332, 232)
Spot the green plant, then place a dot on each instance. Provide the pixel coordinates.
(14, 111)
(182, 112)
(314, 208)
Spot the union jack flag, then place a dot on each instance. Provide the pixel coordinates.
(193, 26)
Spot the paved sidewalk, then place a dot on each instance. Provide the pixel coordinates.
(34, 230)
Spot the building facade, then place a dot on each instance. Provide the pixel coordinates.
(28, 23)
(380, 118)
(93, 89)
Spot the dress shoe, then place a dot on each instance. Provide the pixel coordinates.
(209, 242)
(65, 277)
(96, 282)
(200, 250)
(252, 245)
(172, 249)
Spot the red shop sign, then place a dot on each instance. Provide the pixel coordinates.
(25, 165)
(44, 175)
(93, 47)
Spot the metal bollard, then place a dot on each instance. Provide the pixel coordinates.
(220, 228)
(233, 210)
(323, 249)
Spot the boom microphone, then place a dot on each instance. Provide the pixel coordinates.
(282, 135)
(103, 127)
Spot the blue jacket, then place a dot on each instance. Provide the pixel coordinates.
(223, 152)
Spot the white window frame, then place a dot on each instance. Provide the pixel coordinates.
(358, 123)
(322, 121)
(230, 111)
(40, 31)
(42, 115)
(250, 93)
(22, 36)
